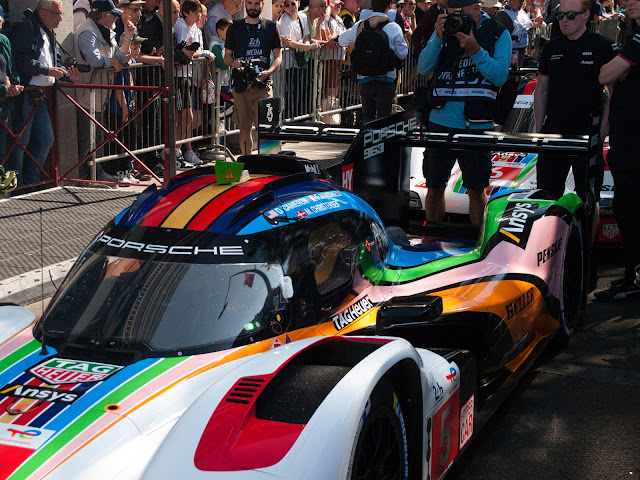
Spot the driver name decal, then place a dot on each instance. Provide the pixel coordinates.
(171, 249)
(58, 371)
(352, 313)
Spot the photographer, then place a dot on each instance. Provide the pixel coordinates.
(38, 63)
(470, 54)
(251, 39)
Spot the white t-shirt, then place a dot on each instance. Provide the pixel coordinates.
(336, 25)
(189, 35)
(292, 29)
(46, 59)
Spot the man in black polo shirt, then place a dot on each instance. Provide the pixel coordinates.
(623, 73)
(568, 92)
(248, 39)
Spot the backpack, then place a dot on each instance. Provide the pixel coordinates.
(372, 56)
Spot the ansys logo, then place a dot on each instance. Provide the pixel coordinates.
(57, 371)
(516, 222)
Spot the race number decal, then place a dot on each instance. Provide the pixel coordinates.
(445, 436)
(466, 421)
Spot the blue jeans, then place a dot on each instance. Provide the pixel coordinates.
(41, 142)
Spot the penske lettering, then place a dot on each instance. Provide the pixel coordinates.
(59, 370)
(519, 303)
(549, 252)
(352, 313)
(171, 249)
(40, 393)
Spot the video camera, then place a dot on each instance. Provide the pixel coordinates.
(246, 76)
(458, 21)
(72, 62)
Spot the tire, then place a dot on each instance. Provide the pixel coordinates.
(572, 288)
(381, 451)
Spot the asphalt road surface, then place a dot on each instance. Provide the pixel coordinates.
(576, 414)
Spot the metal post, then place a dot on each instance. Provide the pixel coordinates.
(170, 101)
(92, 133)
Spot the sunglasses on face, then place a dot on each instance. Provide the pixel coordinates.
(569, 15)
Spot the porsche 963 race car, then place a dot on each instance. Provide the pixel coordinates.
(276, 328)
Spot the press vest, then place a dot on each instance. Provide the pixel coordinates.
(97, 76)
(257, 44)
(457, 78)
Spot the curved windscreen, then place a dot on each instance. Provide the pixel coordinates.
(158, 302)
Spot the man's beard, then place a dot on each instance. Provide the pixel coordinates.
(254, 13)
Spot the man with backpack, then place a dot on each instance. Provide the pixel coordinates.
(470, 54)
(378, 43)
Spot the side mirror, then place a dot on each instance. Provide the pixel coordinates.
(404, 312)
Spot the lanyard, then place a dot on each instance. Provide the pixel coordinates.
(259, 24)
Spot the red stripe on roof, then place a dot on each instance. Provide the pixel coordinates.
(161, 210)
(214, 209)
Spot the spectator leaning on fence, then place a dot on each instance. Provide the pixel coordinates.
(252, 38)
(462, 106)
(38, 63)
(9, 87)
(95, 45)
(131, 11)
(377, 90)
(623, 74)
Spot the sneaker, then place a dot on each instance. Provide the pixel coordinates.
(122, 178)
(619, 292)
(103, 176)
(191, 157)
(132, 178)
(182, 164)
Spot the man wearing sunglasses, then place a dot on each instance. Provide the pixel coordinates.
(623, 74)
(568, 92)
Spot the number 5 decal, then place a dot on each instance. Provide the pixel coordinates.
(446, 428)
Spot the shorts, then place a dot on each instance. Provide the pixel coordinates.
(245, 106)
(183, 93)
(438, 162)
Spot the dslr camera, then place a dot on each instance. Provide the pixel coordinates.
(458, 21)
(72, 62)
(246, 76)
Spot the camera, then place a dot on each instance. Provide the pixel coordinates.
(246, 76)
(72, 62)
(192, 47)
(458, 21)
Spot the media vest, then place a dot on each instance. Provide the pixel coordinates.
(258, 44)
(457, 78)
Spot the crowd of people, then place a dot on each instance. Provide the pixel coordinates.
(367, 40)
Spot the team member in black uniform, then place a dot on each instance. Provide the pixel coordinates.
(623, 72)
(568, 92)
(247, 39)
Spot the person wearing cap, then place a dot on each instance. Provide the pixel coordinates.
(421, 7)
(39, 64)
(490, 7)
(131, 11)
(479, 62)
(622, 74)
(95, 45)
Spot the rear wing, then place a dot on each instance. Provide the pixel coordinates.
(376, 165)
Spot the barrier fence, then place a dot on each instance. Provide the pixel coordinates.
(127, 119)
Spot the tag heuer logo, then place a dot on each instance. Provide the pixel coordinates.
(56, 371)
(610, 230)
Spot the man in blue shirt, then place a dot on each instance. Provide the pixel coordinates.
(480, 59)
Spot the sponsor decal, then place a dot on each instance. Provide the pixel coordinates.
(170, 249)
(24, 436)
(549, 252)
(466, 421)
(57, 371)
(47, 394)
(368, 244)
(347, 177)
(352, 313)
(438, 392)
(453, 375)
(610, 230)
(515, 224)
(278, 343)
(301, 214)
(520, 303)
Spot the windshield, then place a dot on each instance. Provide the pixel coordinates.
(163, 305)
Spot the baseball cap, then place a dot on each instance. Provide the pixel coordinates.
(335, 2)
(105, 6)
(462, 3)
(135, 40)
(130, 3)
(492, 4)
